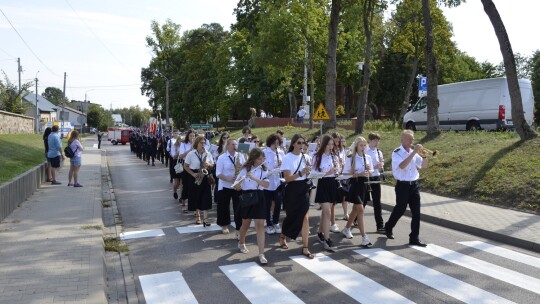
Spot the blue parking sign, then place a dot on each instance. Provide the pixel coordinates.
(422, 84)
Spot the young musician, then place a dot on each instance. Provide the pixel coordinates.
(227, 169)
(200, 194)
(295, 167)
(274, 157)
(253, 176)
(186, 146)
(359, 166)
(405, 165)
(324, 161)
(378, 165)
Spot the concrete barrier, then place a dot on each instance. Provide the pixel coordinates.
(17, 190)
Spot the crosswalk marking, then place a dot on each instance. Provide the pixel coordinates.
(494, 271)
(257, 285)
(166, 288)
(505, 253)
(141, 234)
(197, 228)
(432, 278)
(352, 283)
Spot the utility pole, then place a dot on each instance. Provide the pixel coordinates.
(63, 93)
(19, 70)
(167, 102)
(37, 109)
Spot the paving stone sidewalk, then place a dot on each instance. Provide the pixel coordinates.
(52, 245)
(520, 229)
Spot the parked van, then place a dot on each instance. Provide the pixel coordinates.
(473, 105)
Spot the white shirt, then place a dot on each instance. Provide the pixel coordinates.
(291, 162)
(184, 147)
(225, 166)
(192, 159)
(170, 143)
(248, 183)
(301, 113)
(271, 163)
(175, 150)
(326, 163)
(376, 157)
(358, 164)
(410, 173)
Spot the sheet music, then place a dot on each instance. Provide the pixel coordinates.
(343, 177)
(316, 175)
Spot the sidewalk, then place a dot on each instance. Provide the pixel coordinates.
(520, 229)
(52, 244)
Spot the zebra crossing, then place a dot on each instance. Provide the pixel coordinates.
(258, 285)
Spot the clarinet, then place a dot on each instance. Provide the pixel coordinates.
(336, 167)
(381, 160)
(366, 168)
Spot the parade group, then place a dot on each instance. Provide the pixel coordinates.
(280, 174)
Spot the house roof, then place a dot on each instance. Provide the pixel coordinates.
(43, 104)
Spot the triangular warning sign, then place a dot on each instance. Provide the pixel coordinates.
(320, 113)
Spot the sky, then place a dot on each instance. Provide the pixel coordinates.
(101, 45)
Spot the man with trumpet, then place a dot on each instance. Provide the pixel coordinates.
(406, 160)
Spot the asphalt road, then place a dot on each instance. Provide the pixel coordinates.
(144, 197)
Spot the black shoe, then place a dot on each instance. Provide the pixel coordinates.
(321, 237)
(175, 195)
(153, 165)
(380, 229)
(417, 243)
(389, 234)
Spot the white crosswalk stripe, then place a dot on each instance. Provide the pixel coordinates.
(494, 271)
(505, 253)
(432, 278)
(141, 234)
(352, 283)
(197, 228)
(166, 288)
(257, 285)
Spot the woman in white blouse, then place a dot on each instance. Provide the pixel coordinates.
(325, 162)
(186, 146)
(296, 167)
(199, 195)
(227, 168)
(359, 166)
(274, 157)
(252, 177)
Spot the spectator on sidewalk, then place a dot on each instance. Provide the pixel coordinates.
(99, 136)
(54, 154)
(46, 143)
(75, 162)
(301, 114)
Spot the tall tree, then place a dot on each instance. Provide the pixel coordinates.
(432, 73)
(535, 79)
(11, 97)
(331, 59)
(55, 96)
(518, 117)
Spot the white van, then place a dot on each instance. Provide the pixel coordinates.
(473, 105)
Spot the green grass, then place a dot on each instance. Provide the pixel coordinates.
(488, 167)
(115, 245)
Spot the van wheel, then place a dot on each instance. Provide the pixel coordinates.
(473, 125)
(113, 142)
(410, 126)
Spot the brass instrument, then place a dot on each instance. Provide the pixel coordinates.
(200, 176)
(367, 172)
(425, 152)
(237, 166)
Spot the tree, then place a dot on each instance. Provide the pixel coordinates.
(520, 124)
(331, 59)
(98, 117)
(55, 96)
(11, 97)
(535, 79)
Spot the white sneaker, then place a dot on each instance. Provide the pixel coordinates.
(270, 230)
(365, 241)
(334, 228)
(263, 259)
(277, 228)
(347, 233)
(242, 248)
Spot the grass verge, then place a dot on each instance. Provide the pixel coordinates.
(114, 244)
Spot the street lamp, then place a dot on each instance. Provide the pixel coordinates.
(167, 80)
(37, 109)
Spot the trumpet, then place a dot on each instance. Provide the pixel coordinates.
(425, 152)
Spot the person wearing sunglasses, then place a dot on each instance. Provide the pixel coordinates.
(295, 167)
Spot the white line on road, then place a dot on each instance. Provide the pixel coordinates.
(352, 283)
(257, 285)
(505, 253)
(141, 234)
(198, 228)
(485, 268)
(432, 278)
(166, 288)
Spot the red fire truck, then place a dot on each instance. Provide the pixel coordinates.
(118, 135)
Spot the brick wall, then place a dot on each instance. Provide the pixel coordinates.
(11, 123)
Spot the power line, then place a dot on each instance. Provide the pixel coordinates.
(3, 51)
(28, 46)
(98, 39)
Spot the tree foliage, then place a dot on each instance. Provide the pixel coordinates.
(55, 96)
(11, 97)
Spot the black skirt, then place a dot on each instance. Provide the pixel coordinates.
(327, 190)
(199, 196)
(296, 204)
(256, 211)
(357, 192)
(172, 163)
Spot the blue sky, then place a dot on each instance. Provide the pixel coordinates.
(101, 44)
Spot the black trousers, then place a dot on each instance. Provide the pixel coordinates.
(375, 197)
(224, 208)
(275, 195)
(406, 194)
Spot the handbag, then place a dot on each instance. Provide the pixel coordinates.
(250, 198)
(179, 167)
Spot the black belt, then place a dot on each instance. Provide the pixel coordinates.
(408, 182)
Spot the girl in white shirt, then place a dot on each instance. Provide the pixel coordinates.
(274, 157)
(252, 178)
(359, 166)
(185, 148)
(295, 167)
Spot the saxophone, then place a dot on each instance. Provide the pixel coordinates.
(237, 166)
